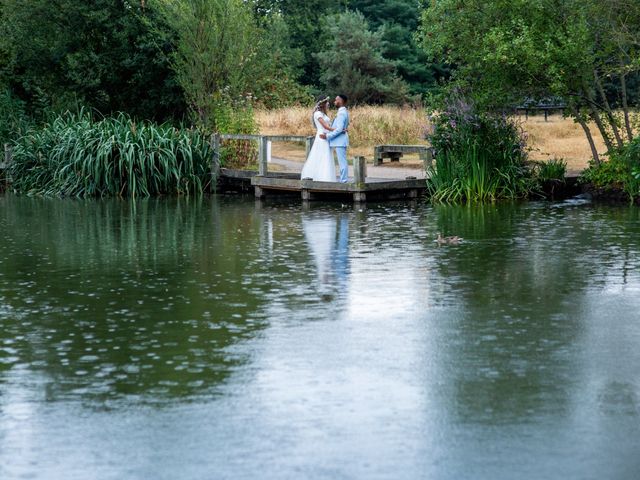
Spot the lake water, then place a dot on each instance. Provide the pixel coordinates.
(220, 338)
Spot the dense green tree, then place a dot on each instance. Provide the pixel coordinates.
(307, 29)
(225, 60)
(214, 53)
(508, 50)
(353, 63)
(278, 65)
(102, 53)
(399, 21)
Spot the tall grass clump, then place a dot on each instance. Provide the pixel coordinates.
(478, 157)
(551, 170)
(76, 155)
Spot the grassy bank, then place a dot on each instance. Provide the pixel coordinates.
(370, 126)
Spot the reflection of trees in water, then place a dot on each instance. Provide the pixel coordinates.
(113, 298)
(521, 279)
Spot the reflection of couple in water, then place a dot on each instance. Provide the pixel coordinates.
(328, 239)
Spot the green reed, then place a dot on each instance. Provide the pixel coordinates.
(78, 156)
(554, 169)
(469, 175)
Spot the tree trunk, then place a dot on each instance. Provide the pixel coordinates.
(607, 108)
(587, 132)
(625, 106)
(603, 131)
(596, 118)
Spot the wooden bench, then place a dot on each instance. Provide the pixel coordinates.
(540, 108)
(395, 153)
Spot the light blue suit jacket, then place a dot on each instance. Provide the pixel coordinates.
(339, 138)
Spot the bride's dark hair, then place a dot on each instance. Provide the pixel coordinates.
(321, 101)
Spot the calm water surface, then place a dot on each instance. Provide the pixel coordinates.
(227, 339)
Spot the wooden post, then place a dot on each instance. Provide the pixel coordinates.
(377, 155)
(215, 161)
(308, 144)
(359, 170)
(263, 168)
(7, 155)
(359, 197)
(427, 158)
(8, 158)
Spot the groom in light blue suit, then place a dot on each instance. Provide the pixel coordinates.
(339, 138)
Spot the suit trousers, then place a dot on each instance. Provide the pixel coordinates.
(341, 153)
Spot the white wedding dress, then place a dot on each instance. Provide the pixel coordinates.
(319, 165)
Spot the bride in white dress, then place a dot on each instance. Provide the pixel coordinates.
(319, 165)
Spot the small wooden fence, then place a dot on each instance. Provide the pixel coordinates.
(263, 148)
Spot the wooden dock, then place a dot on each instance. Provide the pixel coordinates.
(372, 189)
(361, 189)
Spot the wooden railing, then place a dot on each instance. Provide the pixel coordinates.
(263, 147)
(425, 152)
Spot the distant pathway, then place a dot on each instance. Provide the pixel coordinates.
(372, 171)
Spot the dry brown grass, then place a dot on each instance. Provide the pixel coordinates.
(558, 138)
(369, 126)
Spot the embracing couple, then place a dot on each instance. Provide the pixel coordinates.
(330, 137)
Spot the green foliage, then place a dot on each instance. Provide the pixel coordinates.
(307, 31)
(507, 51)
(399, 21)
(13, 118)
(103, 54)
(237, 118)
(353, 63)
(77, 156)
(479, 157)
(620, 172)
(225, 59)
(214, 54)
(555, 169)
(276, 83)
(395, 20)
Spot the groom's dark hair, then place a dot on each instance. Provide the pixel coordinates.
(343, 97)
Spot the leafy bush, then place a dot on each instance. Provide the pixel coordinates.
(75, 155)
(620, 172)
(478, 157)
(235, 118)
